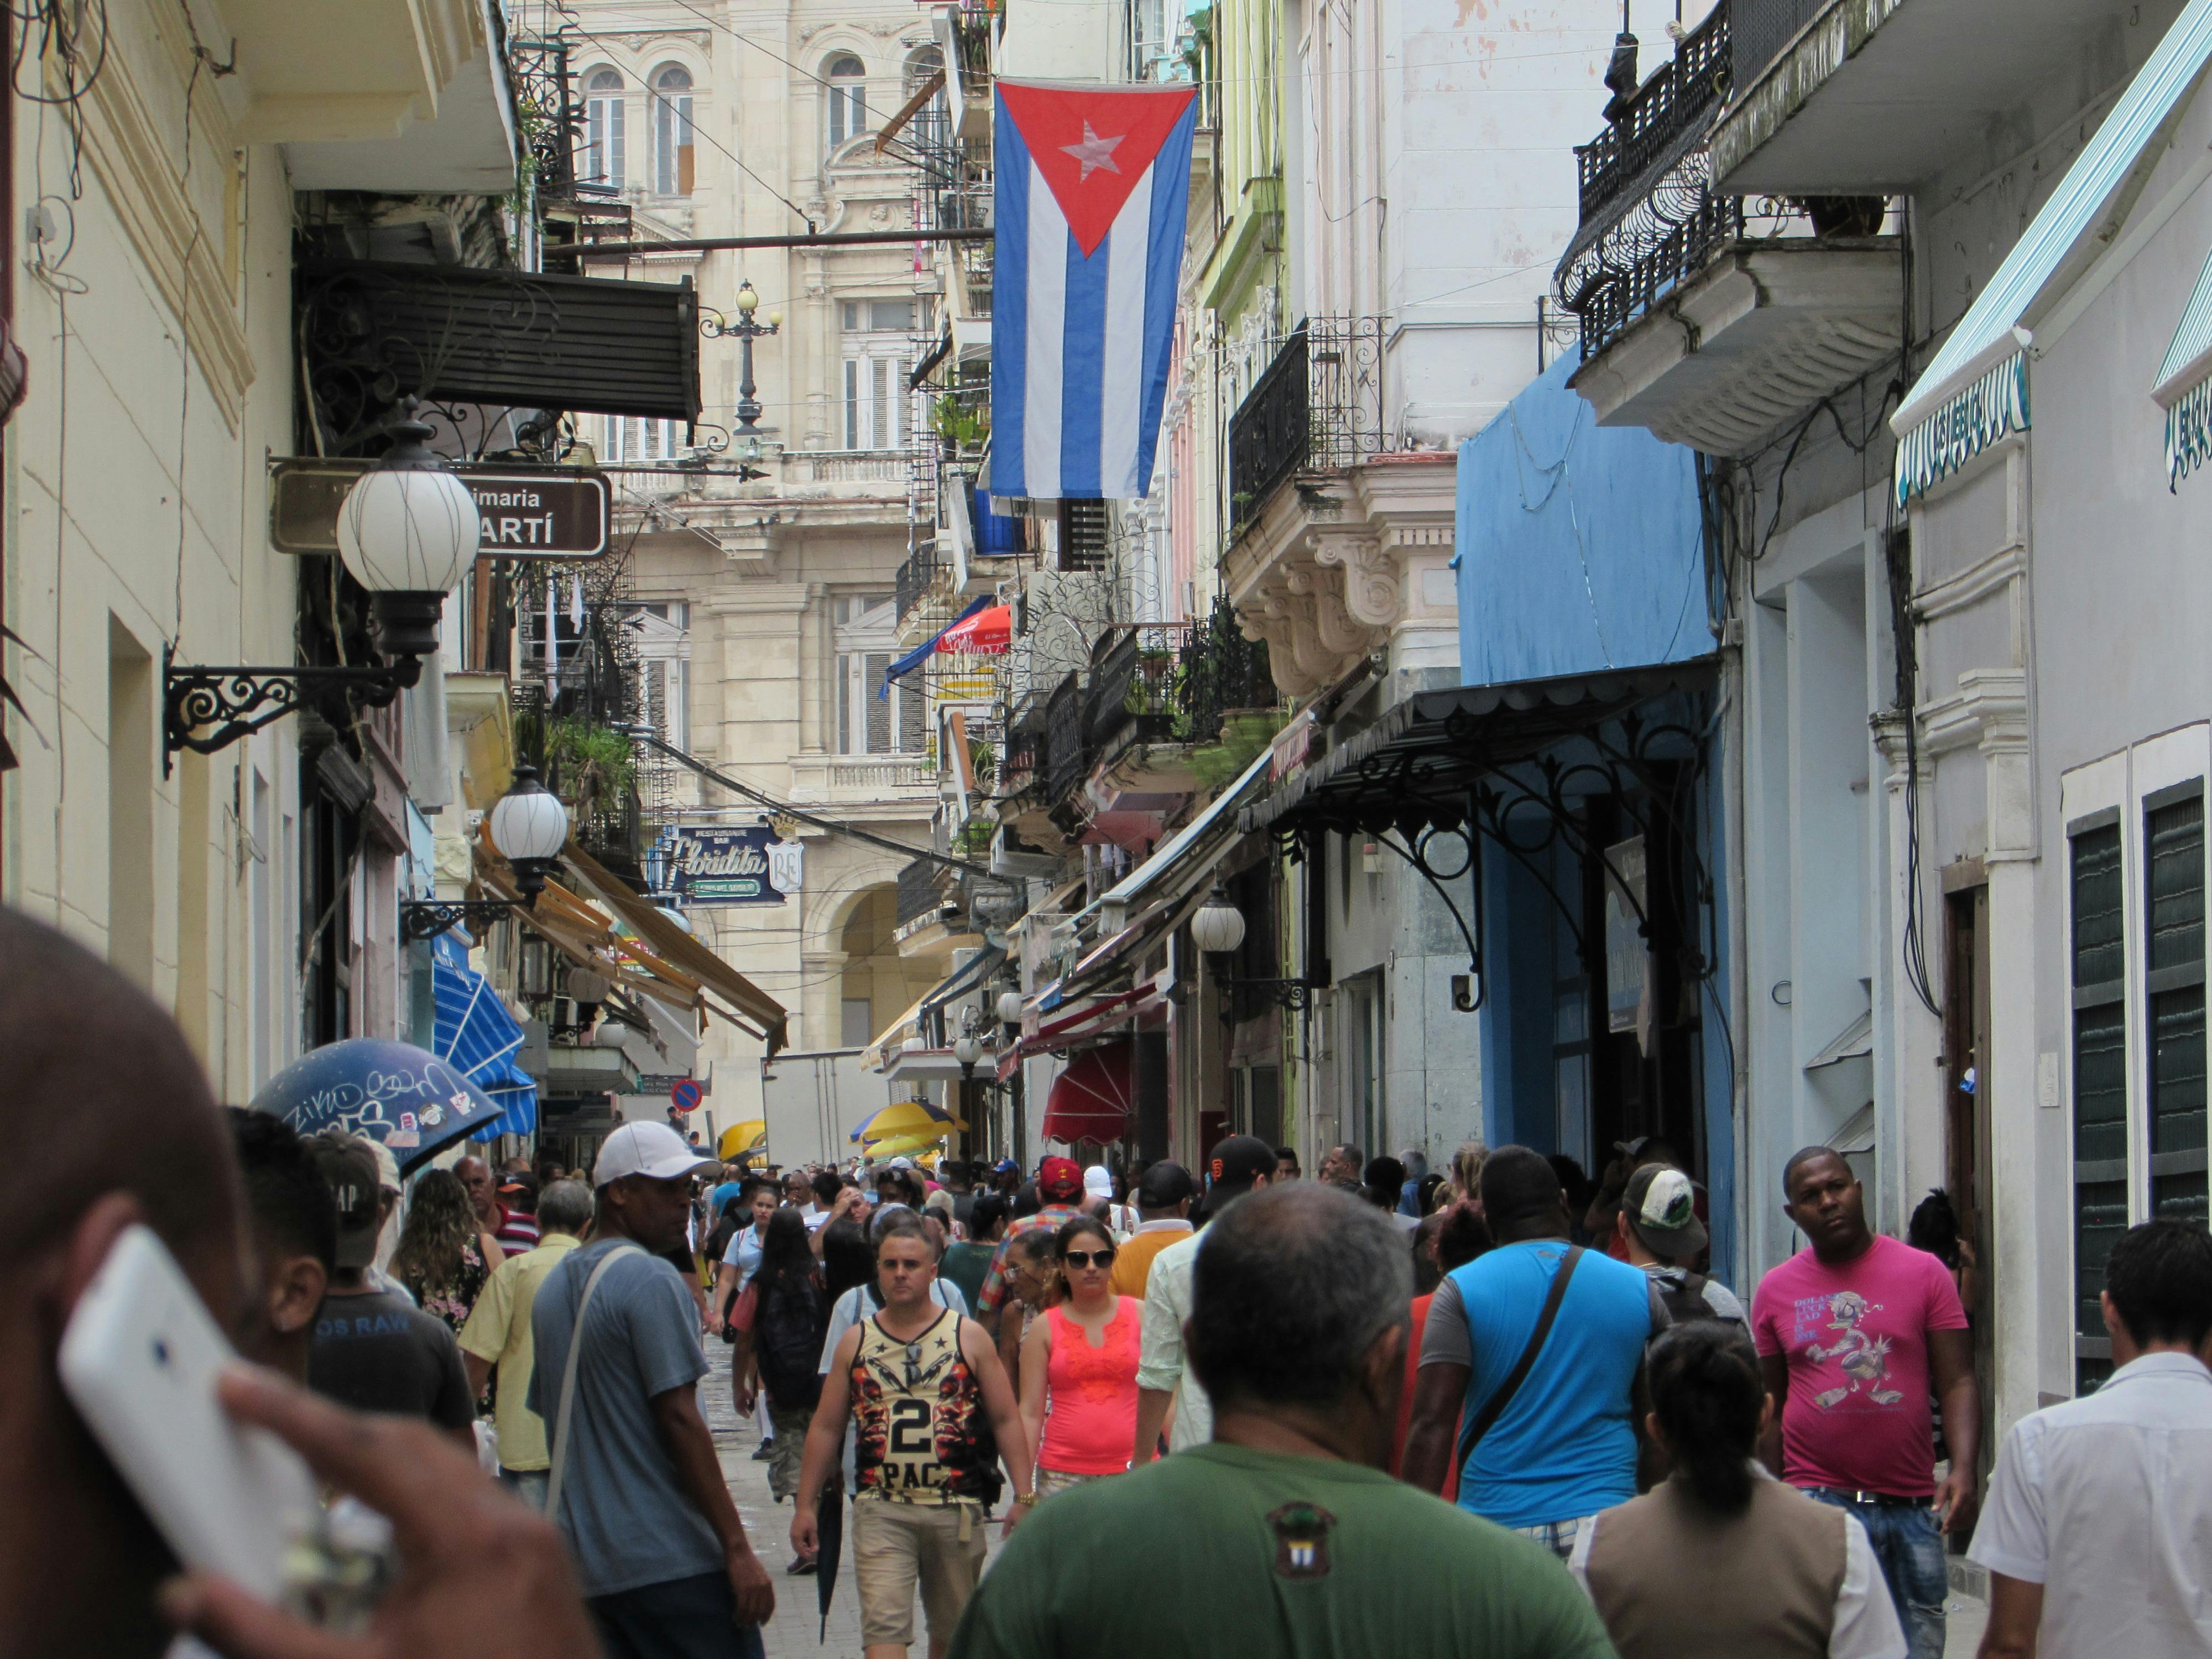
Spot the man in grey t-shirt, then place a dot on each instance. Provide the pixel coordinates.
(665, 1565)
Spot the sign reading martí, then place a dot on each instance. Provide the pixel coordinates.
(528, 513)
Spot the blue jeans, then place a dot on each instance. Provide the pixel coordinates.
(684, 1619)
(528, 1485)
(1910, 1548)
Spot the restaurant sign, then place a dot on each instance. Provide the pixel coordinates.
(713, 865)
(528, 512)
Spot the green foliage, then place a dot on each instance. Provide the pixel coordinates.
(959, 424)
(577, 751)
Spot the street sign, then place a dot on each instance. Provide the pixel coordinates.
(686, 1096)
(698, 864)
(529, 512)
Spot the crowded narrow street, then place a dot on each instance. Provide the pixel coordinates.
(1109, 827)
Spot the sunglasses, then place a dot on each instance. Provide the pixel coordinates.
(1088, 1258)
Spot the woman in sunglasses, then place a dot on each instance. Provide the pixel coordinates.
(1078, 1374)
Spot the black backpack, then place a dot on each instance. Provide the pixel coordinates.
(787, 1333)
(1686, 1300)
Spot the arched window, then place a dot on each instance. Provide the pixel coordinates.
(926, 130)
(602, 162)
(848, 114)
(671, 131)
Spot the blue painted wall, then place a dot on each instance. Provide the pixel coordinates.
(1578, 547)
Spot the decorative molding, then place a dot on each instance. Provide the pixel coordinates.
(1370, 580)
(132, 161)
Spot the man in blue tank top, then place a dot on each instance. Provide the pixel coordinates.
(1544, 1432)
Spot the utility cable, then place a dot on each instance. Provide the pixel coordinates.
(661, 746)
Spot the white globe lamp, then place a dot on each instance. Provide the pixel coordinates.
(408, 531)
(1009, 1007)
(529, 828)
(1219, 927)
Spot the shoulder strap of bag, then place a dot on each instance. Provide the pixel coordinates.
(568, 1380)
(1494, 1407)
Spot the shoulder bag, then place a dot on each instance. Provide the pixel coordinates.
(1494, 1407)
(560, 1463)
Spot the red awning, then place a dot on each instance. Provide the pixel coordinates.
(1095, 1098)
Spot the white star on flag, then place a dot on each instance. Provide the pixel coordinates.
(1093, 152)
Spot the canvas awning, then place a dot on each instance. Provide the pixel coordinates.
(2053, 272)
(767, 1016)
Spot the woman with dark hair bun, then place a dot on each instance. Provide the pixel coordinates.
(1720, 1557)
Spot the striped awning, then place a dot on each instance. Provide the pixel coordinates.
(2183, 387)
(1991, 407)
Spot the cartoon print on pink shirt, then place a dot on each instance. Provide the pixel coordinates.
(1863, 1358)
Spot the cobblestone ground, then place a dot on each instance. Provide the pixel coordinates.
(796, 1630)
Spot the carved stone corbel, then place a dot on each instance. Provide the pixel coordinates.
(1368, 576)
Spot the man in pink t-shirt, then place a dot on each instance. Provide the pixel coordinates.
(1847, 1332)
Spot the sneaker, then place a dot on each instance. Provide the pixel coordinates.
(765, 1450)
(804, 1565)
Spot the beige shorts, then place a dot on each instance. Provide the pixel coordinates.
(940, 1546)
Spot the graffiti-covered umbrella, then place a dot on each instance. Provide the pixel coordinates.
(413, 1102)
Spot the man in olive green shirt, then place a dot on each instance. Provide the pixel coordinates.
(1286, 1528)
(498, 1334)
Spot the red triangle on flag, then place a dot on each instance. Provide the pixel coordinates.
(1092, 143)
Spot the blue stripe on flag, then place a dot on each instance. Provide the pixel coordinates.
(1163, 277)
(1010, 332)
(1083, 369)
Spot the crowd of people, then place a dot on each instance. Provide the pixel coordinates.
(1482, 1412)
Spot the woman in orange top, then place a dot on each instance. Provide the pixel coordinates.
(1079, 1366)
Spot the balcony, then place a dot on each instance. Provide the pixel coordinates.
(917, 578)
(858, 780)
(1709, 317)
(846, 467)
(1865, 97)
(1066, 750)
(388, 95)
(1318, 405)
(1133, 674)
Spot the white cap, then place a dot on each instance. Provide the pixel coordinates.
(652, 1149)
(1097, 1183)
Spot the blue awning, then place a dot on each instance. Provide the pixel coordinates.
(475, 1034)
(920, 655)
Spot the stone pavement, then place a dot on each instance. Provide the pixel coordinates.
(796, 1630)
(795, 1633)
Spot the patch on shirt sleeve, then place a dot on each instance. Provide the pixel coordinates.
(1302, 1540)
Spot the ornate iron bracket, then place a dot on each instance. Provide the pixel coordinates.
(1286, 994)
(239, 700)
(425, 919)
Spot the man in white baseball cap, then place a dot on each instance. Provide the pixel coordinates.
(1661, 1233)
(635, 1485)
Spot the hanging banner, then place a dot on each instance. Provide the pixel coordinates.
(699, 863)
(1093, 183)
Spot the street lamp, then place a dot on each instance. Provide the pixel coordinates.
(748, 330)
(969, 1052)
(529, 828)
(1009, 1007)
(407, 531)
(1218, 928)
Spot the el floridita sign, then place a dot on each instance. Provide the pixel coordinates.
(711, 865)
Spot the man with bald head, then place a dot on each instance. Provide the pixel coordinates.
(112, 1125)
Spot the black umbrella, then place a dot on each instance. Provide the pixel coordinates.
(829, 1525)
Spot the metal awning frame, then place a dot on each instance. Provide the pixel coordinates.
(1510, 767)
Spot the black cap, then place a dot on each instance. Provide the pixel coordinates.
(1236, 1163)
(1164, 1185)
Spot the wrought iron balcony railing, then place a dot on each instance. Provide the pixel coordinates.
(923, 887)
(915, 577)
(1221, 671)
(1135, 673)
(1761, 28)
(1066, 748)
(545, 97)
(1319, 403)
(1672, 107)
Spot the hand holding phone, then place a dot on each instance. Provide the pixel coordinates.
(140, 1361)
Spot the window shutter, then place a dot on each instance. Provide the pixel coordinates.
(879, 708)
(852, 403)
(881, 434)
(914, 714)
(1082, 535)
(2101, 1084)
(844, 704)
(2173, 844)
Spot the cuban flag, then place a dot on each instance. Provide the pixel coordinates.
(1093, 187)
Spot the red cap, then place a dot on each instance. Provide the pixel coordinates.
(1060, 1179)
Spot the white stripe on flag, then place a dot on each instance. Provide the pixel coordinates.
(1048, 342)
(1122, 398)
